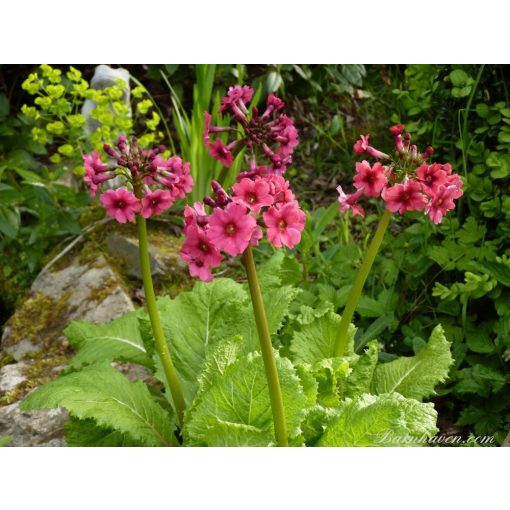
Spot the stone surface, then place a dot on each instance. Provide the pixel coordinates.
(11, 376)
(105, 76)
(163, 253)
(35, 428)
(33, 336)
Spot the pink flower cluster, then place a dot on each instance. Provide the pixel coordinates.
(155, 183)
(406, 182)
(235, 224)
(273, 132)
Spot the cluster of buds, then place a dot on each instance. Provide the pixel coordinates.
(273, 132)
(151, 183)
(404, 180)
(260, 199)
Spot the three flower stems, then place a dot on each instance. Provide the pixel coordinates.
(273, 382)
(355, 293)
(159, 336)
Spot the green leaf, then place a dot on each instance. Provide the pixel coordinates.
(482, 110)
(236, 409)
(480, 380)
(88, 433)
(316, 340)
(116, 340)
(416, 376)
(360, 379)
(497, 270)
(458, 77)
(383, 420)
(331, 375)
(9, 221)
(101, 393)
(196, 320)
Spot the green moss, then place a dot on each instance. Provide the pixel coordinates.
(6, 359)
(40, 317)
(99, 294)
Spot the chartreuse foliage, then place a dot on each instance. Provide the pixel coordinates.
(329, 401)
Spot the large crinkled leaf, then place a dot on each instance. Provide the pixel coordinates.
(101, 393)
(116, 340)
(315, 341)
(331, 375)
(195, 321)
(88, 433)
(360, 379)
(277, 303)
(237, 403)
(236, 434)
(416, 376)
(382, 420)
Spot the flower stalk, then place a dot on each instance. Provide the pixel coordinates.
(273, 382)
(359, 282)
(159, 336)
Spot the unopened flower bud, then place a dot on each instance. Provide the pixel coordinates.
(111, 151)
(209, 201)
(397, 130)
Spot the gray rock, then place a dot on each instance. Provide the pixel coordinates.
(33, 337)
(105, 76)
(43, 427)
(164, 256)
(11, 376)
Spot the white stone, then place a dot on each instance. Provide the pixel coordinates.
(11, 376)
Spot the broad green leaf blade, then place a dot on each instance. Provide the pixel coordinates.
(196, 320)
(331, 375)
(236, 434)
(383, 420)
(360, 378)
(101, 393)
(416, 376)
(88, 433)
(117, 340)
(238, 401)
(316, 340)
(9, 221)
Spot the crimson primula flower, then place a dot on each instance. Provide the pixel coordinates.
(155, 182)
(284, 225)
(271, 134)
(261, 196)
(404, 180)
(120, 204)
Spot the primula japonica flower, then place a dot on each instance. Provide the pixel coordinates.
(404, 197)
(348, 202)
(253, 194)
(271, 135)
(120, 204)
(231, 229)
(370, 179)
(151, 183)
(284, 225)
(404, 180)
(260, 201)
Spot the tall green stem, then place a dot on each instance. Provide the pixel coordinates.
(273, 382)
(359, 282)
(159, 336)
